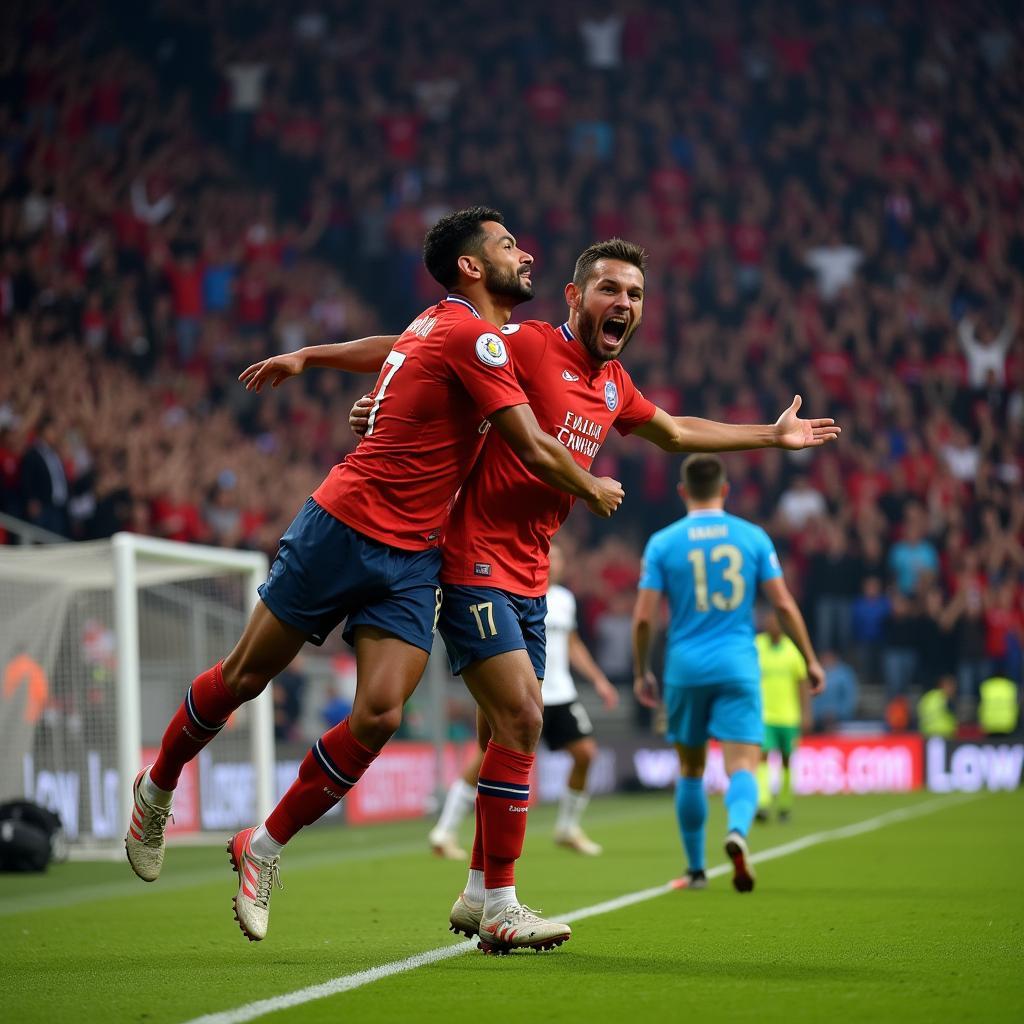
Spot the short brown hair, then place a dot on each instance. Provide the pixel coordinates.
(703, 476)
(612, 249)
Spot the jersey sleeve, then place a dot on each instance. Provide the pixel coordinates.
(528, 342)
(477, 354)
(652, 573)
(799, 665)
(634, 409)
(768, 565)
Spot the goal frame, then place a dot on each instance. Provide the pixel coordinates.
(126, 549)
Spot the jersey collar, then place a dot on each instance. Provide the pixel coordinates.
(463, 302)
(581, 355)
(707, 512)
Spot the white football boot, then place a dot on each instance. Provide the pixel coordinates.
(445, 845)
(576, 839)
(742, 870)
(519, 927)
(256, 879)
(144, 842)
(465, 917)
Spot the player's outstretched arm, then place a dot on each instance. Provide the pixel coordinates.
(583, 661)
(694, 434)
(365, 355)
(793, 625)
(549, 461)
(645, 685)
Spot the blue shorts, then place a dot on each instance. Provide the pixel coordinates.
(325, 572)
(726, 711)
(480, 622)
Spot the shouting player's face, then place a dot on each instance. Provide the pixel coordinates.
(609, 308)
(507, 268)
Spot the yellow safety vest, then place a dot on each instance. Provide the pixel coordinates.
(997, 712)
(933, 715)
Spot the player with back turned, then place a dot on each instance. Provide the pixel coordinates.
(709, 565)
(364, 547)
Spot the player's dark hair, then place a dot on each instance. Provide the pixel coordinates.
(703, 476)
(454, 235)
(612, 249)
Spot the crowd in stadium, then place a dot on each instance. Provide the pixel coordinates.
(825, 213)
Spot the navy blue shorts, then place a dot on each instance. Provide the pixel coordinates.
(325, 572)
(480, 622)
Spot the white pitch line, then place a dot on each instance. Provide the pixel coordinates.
(347, 982)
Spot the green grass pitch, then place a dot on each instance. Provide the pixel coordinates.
(919, 921)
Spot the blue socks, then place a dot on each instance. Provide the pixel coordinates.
(741, 801)
(692, 812)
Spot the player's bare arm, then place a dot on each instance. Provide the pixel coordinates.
(583, 662)
(365, 355)
(645, 684)
(694, 434)
(539, 452)
(793, 625)
(549, 461)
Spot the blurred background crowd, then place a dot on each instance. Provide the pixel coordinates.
(830, 194)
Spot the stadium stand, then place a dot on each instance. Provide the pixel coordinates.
(824, 210)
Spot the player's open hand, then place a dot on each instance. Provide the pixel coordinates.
(608, 497)
(272, 371)
(645, 689)
(815, 678)
(794, 433)
(359, 416)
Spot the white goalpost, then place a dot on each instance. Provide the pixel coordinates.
(98, 644)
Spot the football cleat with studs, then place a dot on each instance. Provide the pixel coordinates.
(465, 917)
(256, 879)
(742, 871)
(144, 842)
(576, 839)
(518, 927)
(445, 845)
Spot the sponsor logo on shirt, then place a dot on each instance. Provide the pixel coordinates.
(482, 568)
(490, 349)
(510, 328)
(571, 377)
(579, 434)
(611, 395)
(433, 535)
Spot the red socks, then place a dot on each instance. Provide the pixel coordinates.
(334, 765)
(502, 800)
(207, 706)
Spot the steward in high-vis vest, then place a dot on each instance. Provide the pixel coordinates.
(934, 715)
(998, 708)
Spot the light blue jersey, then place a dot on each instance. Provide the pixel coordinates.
(709, 565)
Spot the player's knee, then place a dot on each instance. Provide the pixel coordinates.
(377, 723)
(245, 683)
(521, 726)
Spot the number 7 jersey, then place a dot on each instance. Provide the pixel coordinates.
(446, 374)
(709, 565)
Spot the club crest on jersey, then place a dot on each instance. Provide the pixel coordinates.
(611, 395)
(570, 377)
(482, 568)
(490, 349)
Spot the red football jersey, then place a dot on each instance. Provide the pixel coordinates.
(446, 374)
(500, 530)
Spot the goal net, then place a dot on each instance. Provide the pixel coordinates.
(98, 644)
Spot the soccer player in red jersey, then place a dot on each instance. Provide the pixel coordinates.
(495, 555)
(364, 547)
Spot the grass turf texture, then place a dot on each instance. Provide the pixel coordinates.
(922, 920)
